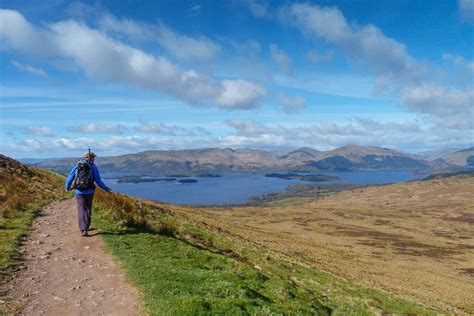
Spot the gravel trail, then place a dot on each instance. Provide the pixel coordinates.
(66, 274)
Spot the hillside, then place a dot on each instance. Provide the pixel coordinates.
(216, 160)
(183, 265)
(23, 191)
(458, 157)
(415, 239)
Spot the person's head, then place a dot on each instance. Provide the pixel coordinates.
(89, 155)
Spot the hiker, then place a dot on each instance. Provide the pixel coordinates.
(82, 178)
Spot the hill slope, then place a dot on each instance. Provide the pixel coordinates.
(200, 260)
(187, 265)
(415, 239)
(23, 191)
(458, 157)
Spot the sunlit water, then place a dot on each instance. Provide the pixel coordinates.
(238, 188)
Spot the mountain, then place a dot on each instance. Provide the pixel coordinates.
(353, 157)
(454, 156)
(219, 160)
(304, 153)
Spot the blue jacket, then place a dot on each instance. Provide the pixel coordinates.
(95, 174)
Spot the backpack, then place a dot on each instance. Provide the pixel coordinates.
(84, 178)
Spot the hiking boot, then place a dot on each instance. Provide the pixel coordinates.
(84, 233)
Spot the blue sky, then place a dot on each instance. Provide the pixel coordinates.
(127, 76)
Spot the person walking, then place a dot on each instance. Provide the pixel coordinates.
(83, 177)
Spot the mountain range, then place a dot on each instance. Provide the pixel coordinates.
(219, 160)
(455, 156)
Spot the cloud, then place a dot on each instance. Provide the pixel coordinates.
(256, 8)
(248, 128)
(171, 130)
(467, 9)
(112, 145)
(450, 107)
(366, 46)
(281, 59)
(460, 61)
(29, 69)
(319, 57)
(239, 94)
(16, 33)
(101, 57)
(396, 72)
(185, 47)
(291, 105)
(250, 47)
(179, 45)
(194, 10)
(327, 135)
(39, 131)
(99, 128)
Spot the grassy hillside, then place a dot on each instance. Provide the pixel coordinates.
(415, 239)
(188, 261)
(23, 191)
(184, 266)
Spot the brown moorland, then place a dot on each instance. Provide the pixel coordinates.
(415, 239)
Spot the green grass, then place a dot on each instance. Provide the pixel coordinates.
(182, 267)
(11, 230)
(289, 201)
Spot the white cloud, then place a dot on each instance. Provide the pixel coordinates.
(39, 131)
(281, 59)
(250, 47)
(99, 128)
(450, 107)
(248, 128)
(16, 33)
(291, 104)
(194, 10)
(319, 57)
(396, 72)
(179, 45)
(171, 130)
(29, 69)
(104, 58)
(467, 9)
(327, 135)
(365, 46)
(185, 47)
(239, 94)
(460, 61)
(112, 145)
(257, 8)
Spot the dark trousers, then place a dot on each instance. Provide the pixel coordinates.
(84, 210)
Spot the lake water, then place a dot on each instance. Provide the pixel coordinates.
(238, 188)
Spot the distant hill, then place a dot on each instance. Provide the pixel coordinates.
(219, 160)
(454, 156)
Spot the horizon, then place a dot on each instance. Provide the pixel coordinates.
(249, 74)
(223, 148)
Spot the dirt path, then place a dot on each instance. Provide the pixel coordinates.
(67, 274)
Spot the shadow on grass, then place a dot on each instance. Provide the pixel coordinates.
(196, 242)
